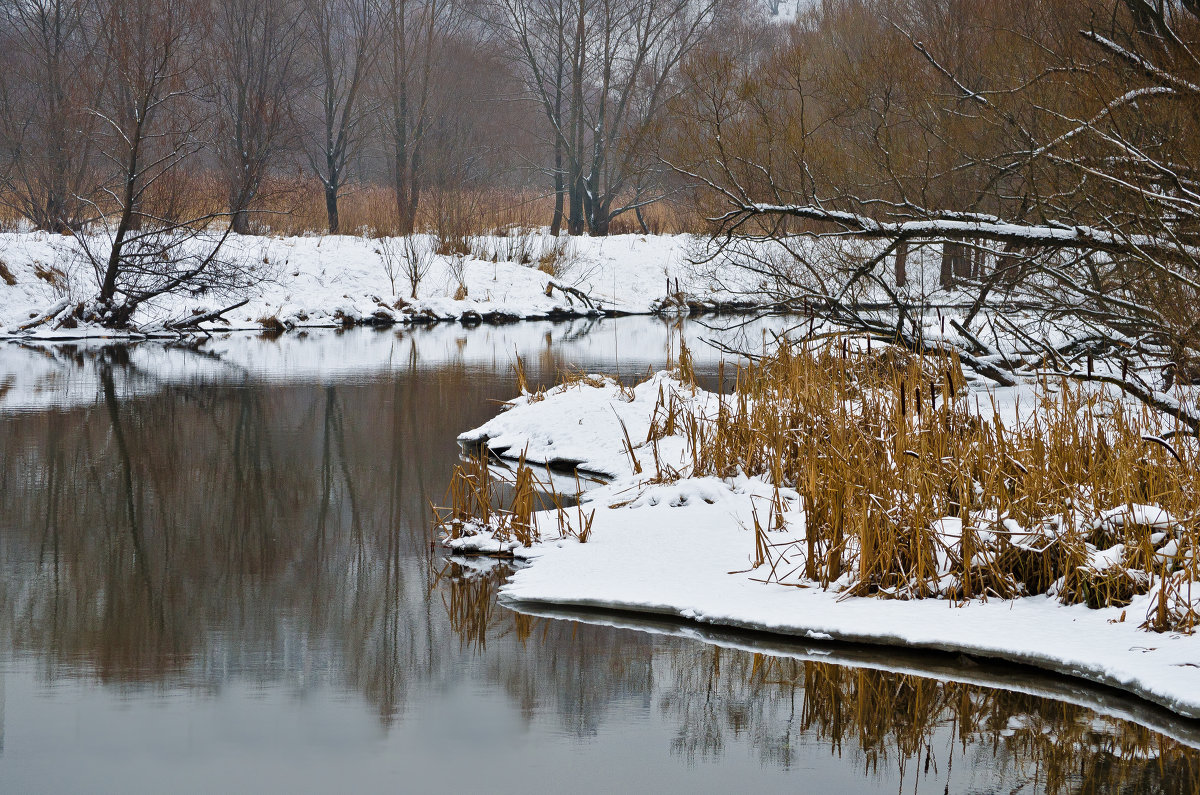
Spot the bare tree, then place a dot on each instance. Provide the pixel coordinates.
(254, 65)
(602, 72)
(542, 37)
(411, 257)
(51, 75)
(1067, 167)
(341, 42)
(149, 127)
(414, 36)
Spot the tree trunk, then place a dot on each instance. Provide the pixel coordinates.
(576, 220)
(962, 262)
(241, 222)
(403, 171)
(977, 263)
(902, 264)
(331, 207)
(599, 225)
(407, 189)
(404, 221)
(956, 264)
(400, 187)
(559, 189)
(556, 222)
(239, 215)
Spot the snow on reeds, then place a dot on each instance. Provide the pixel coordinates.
(481, 521)
(911, 486)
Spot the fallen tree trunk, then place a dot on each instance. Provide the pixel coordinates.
(196, 320)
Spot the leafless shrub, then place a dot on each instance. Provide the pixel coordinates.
(410, 257)
(457, 266)
(392, 259)
(561, 258)
(516, 245)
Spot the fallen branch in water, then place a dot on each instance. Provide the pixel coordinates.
(568, 292)
(196, 320)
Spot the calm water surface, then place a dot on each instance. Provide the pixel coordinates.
(216, 574)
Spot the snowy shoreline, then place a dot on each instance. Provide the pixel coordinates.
(943, 667)
(339, 281)
(683, 548)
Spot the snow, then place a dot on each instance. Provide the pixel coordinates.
(316, 281)
(678, 556)
(963, 229)
(684, 548)
(576, 425)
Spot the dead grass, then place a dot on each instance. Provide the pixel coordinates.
(909, 494)
(295, 205)
(271, 324)
(477, 495)
(559, 257)
(50, 274)
(505, 507)
(883, 448)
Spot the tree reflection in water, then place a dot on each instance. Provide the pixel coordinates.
(274, 533)
(279, 534)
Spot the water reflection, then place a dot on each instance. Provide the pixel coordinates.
(900, 726)
(170, 528)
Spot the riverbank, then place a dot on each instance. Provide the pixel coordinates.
(1077, 592)
(331, 281)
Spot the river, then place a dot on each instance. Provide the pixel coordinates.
(217, 574)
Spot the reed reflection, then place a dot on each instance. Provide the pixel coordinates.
(902, 727)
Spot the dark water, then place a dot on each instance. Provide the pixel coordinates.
(216, 575)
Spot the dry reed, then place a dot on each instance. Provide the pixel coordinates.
(502, 506)
(295, 205)
(909, 492)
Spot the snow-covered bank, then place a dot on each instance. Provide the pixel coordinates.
(335, 280)
(941, 667)
(683, 546)
(679, 559)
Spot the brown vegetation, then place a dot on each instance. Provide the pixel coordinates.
(909, 491)
(883, 447)
(1048, 148)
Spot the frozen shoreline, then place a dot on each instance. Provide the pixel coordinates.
(332, 281)
(684, 549)
(941, 667)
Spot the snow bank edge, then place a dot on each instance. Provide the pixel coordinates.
(811, 632)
